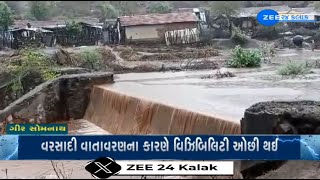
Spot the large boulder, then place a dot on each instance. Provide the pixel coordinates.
(303, 117)
(296, 117)
(298, 40)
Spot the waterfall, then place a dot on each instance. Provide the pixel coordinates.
(120, 113)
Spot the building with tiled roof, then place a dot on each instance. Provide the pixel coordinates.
(154, 26)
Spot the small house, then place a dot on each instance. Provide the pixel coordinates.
(153, 27)
(30, 37)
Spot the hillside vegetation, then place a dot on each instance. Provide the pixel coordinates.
(45, 10)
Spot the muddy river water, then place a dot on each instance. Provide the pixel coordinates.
(226, 97)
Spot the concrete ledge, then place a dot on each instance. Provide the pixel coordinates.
(60, 99)
(295, 117)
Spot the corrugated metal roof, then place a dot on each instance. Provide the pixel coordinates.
(151, 19)
(52, 23)
(32, 29)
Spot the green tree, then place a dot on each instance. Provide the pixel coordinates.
(73, 28)
(6, 19)
(226, 8)
(159, 7)
(39, 10)
(107, 11)
(125, 7)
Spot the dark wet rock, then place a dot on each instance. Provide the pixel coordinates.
(298, 40)
(317, 130)
(305, 129)
(263, 117)
(285, 42)
(295, 117)
(308, 39)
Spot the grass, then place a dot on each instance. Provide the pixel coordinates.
(292, 68)
(29, 61)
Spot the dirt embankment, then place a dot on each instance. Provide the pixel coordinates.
(91, 59)
(126, 59)
(133, 58)
(154, 54)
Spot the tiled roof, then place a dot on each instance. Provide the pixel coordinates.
(151, 19)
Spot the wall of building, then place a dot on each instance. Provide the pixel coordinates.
(154, 32)
(143, 32)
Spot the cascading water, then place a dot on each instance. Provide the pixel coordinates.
(119, 113)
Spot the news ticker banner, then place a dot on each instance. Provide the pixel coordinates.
(160, 147)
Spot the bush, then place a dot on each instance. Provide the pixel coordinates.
(238, 36)
(91, 60)
(292, 68)
(244, 58)
(31, 61)
(36, 61)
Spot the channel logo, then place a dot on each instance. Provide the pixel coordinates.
(103, 168)
(269, 17)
